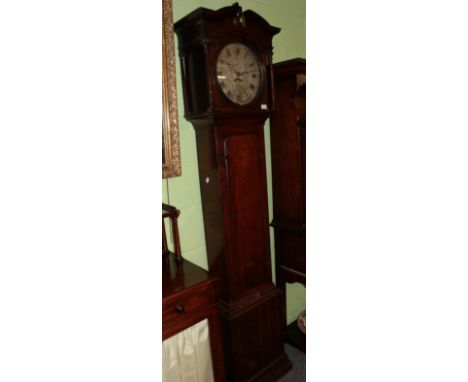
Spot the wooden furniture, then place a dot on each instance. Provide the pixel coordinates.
(189, 297)
(228, 108)
(288, 152)
(172, 213)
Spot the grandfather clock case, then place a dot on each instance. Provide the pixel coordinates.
(226, 63)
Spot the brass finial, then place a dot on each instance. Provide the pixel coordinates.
(239, 18)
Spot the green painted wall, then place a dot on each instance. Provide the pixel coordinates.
(184, 191)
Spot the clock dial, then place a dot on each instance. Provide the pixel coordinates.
(238, 73)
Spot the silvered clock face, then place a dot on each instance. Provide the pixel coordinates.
(238, 73)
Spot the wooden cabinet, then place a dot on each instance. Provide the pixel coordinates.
(288, 153)
(189, 298)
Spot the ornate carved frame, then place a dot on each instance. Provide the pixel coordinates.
(171, 165)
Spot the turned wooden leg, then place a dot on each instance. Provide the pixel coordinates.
(175, 231)
(165, 251)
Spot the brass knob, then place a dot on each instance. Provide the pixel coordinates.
(180, 308)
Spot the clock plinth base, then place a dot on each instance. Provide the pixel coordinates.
(274, 371)
(253, 337)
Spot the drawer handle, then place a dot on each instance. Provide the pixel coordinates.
(180, 308)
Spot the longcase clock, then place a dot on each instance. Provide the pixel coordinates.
(226, 63)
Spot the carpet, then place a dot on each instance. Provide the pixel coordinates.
(298, 360)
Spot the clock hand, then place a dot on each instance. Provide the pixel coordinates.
(231, 67)
(238, 74)
(242, 73)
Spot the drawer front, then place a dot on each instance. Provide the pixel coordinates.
(180, 307)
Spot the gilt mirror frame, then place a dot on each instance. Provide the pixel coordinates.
(171, 165)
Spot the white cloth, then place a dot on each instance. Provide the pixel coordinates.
(187, 355)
